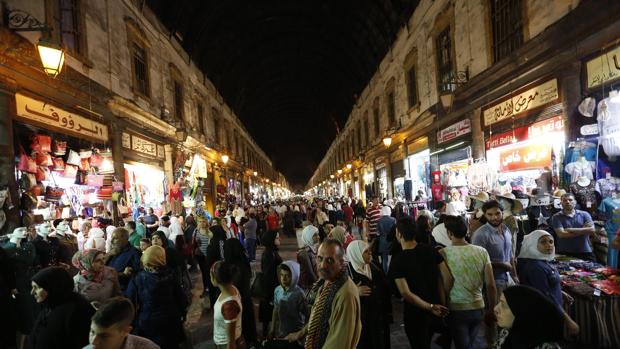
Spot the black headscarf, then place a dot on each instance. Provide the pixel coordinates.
(58, 284)
(537, 319)
(219, 234)
(269, 239)
(234, 252)
(173, 258)
(163, 238)
(216, 245)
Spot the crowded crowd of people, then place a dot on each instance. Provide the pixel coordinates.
(460, 282)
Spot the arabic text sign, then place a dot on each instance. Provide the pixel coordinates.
(527, 100)
(453, 131)
(526, 157)
(143, 146)
(604, 68)
(554, 124)
(47, 114)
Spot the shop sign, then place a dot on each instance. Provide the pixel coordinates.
(526, 157)
(417, 145)
(50, 115)
(142, 146)
(604, 68)
(527, 100)
(538, 129)
(453, 131)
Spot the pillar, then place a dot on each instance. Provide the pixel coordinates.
(477, 134)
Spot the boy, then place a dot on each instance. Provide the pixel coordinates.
(144, 244)
(290, 310)
(111, 325)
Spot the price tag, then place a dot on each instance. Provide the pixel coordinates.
(597, 292)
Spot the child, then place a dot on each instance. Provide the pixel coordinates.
(144, 244)
(290, 310)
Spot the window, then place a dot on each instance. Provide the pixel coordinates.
(506, 19)
(375, 113)
(140, 68)
(412, 87)
(391, 108)
(201, 119)
(66, 21)
(445, 63)
(177, 90)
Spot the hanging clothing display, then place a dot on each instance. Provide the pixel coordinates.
(609, 125)
(611, 208)
(586, 196)
(608, 186)
(580, 168)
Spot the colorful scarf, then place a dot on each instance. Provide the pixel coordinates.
(83, 260)
(322, 310)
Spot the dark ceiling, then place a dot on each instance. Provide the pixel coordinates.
(289, 69)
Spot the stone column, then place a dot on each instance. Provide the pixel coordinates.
(477, 134)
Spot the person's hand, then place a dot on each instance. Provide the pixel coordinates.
(568, 298)
(572, 327)
(364, 291)
(293, 337)
(127, 271)
(438, 310)
(489, 318)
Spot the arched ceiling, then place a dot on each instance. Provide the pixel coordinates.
(290, 69)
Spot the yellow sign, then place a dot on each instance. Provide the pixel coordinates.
(49, 115)
(604, 68)
(143, 146)
(527, 100)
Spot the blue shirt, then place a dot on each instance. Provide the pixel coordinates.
(577, 244)
(128, 257)
(291, 307)
(499, 246)
(542, 276)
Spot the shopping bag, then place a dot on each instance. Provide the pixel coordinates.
(58, 164)
(70, 171)
(73, 158)
(93, 180)
(59, 148)
(26, 163)
(41, 143)
(42, 158)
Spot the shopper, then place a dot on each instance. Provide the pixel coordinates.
(335, 316)
(96, 240)
(151, 221)
(201, 242)
(385, 228)
(306, 257)
(159, 299)
(535, 270)
(416, 271)
(528, 320)
(573, 229)
(123, 257)
(273, 220)
(134, 236)
(470, 269)
(424, 229)
(270, 261)
(373, 213)
(339, 233)
(111, 326)
(290, 310)
(64, 318)
(375, 296)
(215, 252)
(94, 281)
(227, 310)
(235, 254)
(82, 236)
(249, 230)
(164, 226)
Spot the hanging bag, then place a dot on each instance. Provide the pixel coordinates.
(73, 158)
(95, 158)
(42, 173)
(42, 158)
(26, 163)
(84, 165)
(70, 171)
(123, 209)
(41, 143)
(58, 164)
(53, 193)
(59, 148)
(93, 180)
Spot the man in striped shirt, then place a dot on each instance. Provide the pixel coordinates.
(373, 213)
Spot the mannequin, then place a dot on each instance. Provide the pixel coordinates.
(511, 206)
(67, 243)
(580, 168)
(585, 194)
(46, 246)
(18, 235)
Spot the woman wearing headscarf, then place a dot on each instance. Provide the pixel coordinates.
(94, 281)
(96, 240)
(159, 299)
(306, 257)
(174, 260)
(64, 320)
(235, 254)
(270, 260)
(375, 297)
(528, 319)
(215, 252)
(534, 269)
(340, 234)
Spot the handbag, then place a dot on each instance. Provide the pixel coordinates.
(104, 193)
(59, 148)
(122, 207)
(95, 159)
(93, 180)
(27, 181)
(42, 158)
(70, 171)
(42, 173)
(58, 164)
(117, 186)
(73, 158)
(41, 143)
(257, 289)
(85, 153)
(26, 163)
(53, 194)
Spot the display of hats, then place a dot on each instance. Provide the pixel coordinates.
(540, 200)
(517, 205)
(481, 196)
(558, 193)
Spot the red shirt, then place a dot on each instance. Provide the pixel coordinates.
(348, 213)
(273, 222)
(372, 215)
(437, 190)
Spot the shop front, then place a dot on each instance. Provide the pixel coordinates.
(369, 182)
(65, 167)
(145, 181)
(451, 158)
(381, 178)
(398, 173)
(417, 166)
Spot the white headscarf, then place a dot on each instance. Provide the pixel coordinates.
(529, 248)
(307, 234)
(354, 251)
(386, 210)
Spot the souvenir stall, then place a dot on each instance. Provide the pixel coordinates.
(450, 175)
(63, 166)
(145, 181)
(417, 166)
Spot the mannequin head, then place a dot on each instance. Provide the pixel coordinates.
(43, 229)
(62, 228)
(18, 234)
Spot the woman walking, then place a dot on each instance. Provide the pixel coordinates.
(269, 267)
(95, 281)
(227, 310)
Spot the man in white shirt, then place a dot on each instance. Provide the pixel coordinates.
(164, 226)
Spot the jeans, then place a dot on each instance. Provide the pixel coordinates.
(250, 246)
(464, 326)
(385, 261)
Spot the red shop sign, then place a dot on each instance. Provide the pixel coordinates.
(538, 129)
(525, 157)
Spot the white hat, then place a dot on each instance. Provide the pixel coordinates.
(586, 107)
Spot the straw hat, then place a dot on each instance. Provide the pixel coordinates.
(558, 193)
(517, 206)
(481, 196)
